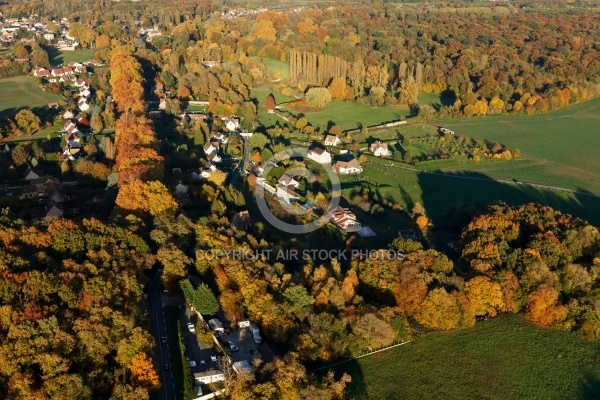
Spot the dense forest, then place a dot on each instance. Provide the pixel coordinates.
(72, 321)
(487, 60)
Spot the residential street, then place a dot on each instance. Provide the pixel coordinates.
(157, 319)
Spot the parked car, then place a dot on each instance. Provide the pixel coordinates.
(232, 346)
(191, 327)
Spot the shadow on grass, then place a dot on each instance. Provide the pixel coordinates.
(443, 190)
(590, 387)
(357, 388)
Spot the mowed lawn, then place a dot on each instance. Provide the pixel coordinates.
(503, 358)
(22, 92)
(62, 57)
(348, 115)
(276, 66)
(561, 148)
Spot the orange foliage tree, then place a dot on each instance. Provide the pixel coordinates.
(543, 306)
(143, 372)
(126, 82)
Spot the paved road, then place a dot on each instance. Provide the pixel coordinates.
(158, 327)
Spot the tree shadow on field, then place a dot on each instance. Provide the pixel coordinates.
(589, 387)
(441, 190)
(357, 388)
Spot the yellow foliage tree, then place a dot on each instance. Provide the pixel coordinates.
(146, 197)
(485, 297)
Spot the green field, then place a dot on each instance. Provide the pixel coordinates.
(435, 99)
(22, 92)
(504, 358)
(439, 192)
(348, 115)
(559, 148)
(276, 66)
(62, 57)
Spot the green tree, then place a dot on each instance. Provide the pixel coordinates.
(258, 141)
(207, 302)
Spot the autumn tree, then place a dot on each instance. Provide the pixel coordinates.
(146, 197)
(485, 297)
(264, 30)
(143, 372)
(20, 155)
(96, 123)
(337, 88)
(270, 103)
(543, 307)
(27, 121)
(318, 97)
(126, 81)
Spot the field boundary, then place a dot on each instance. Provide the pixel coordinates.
(363, 355)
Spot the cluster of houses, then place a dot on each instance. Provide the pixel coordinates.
(9, 29)
(72, 128)
(345, 162)
(213, 147)
(37, 185)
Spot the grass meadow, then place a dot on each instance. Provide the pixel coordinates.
(58, 57)
(502, 358)
(276, 66)
(22, 92)
(559, 148)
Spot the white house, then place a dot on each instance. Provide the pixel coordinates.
(49, 36)
(259, 170)
(208, 169)
(72, 139)
(288, 181)
(83, 104)
(207, 377)
(332, 140)
(287, 194)
(232, 124)
(31, 174)
(210, 148)
(319, 155)
(162, 104)
(344, 219)
(214, 158)
(80, 83)
(246, 134)
(84, 93)
(351, 166)
(220, 137)
(68, 114)
(380, 149)
(41, 73)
